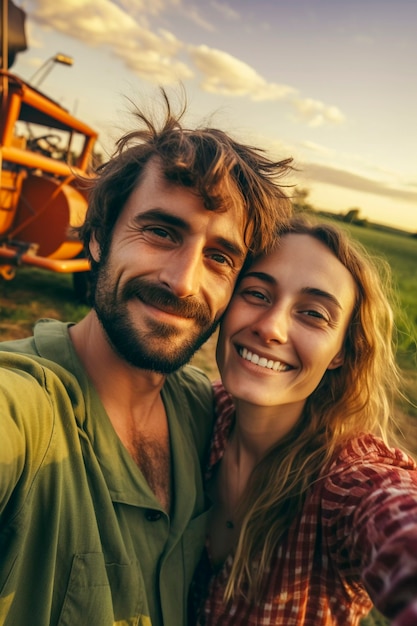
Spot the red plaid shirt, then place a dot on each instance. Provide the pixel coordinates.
(356, 535)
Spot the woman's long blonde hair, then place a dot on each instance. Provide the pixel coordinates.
(355, 398)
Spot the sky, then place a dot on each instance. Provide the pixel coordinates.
(331, 83)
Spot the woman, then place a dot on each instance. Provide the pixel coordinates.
(314, 517)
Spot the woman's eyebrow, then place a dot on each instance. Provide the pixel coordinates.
(267, 278)
(314, 291)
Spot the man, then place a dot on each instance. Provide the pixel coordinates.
(103, 432)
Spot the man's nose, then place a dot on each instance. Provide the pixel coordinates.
(183, 274)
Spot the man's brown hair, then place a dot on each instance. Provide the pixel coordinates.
(221, 170)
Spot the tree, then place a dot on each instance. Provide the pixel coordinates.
(300, 200)
(352, 216)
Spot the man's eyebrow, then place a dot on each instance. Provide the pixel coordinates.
(313, 291)
(173, 220)
(233, 248)
(162, 216)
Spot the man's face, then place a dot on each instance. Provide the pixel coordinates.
(168, 275)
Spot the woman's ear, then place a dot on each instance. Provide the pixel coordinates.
(94, 248)
(337, 361)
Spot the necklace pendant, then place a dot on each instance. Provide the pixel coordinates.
(229, 524)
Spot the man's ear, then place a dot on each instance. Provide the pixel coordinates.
(337, 361)
(94, 248)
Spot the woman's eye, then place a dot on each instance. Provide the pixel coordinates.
(316, 314)
(254, 294)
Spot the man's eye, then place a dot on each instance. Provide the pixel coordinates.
(220, 258)
(159, 232)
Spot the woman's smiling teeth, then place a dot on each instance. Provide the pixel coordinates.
(261, 361)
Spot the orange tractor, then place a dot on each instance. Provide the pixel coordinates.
(43, 152)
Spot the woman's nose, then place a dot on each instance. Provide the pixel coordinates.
(273, 325)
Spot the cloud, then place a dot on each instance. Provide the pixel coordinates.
(316, 113)
(354, 160)
(92, 22)
(141, 8)
(193, 14)
(318, 148)
(226, 75)
(342, 178)
(102, 23)
(155, 54)
(225, 10)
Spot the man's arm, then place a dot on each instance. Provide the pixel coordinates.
(26, 422)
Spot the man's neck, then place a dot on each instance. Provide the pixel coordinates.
(111, 375)
(132, 400)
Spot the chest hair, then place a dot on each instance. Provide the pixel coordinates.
(153, 458)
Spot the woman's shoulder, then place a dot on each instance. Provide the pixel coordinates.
(365, 464)
(368, 449)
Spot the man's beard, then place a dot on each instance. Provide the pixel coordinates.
(155, 349)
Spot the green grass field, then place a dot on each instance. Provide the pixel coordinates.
(401, 253)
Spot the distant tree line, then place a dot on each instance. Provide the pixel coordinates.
(351, 216)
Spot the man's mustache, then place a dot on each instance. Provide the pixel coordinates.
(162, 298)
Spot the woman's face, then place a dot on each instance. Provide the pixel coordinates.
(286, 323)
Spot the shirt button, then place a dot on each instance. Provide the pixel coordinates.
(152, 516)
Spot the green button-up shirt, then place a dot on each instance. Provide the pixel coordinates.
(83, 540)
